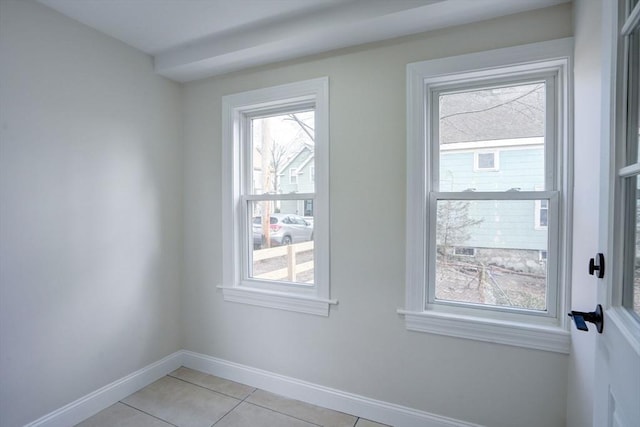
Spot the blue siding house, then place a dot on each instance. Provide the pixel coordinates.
(501, 165)
(298, 176)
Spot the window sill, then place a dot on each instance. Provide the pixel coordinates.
(277, 300)
(554, 339)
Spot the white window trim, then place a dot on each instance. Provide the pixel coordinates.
(236, 287)
(549, 333)
(496, 161)
(293, 176)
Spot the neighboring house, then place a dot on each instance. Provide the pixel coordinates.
(297, 175)
(493, 141)
(517, 165)
(501, 165)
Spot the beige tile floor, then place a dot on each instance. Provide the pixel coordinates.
(188, 398)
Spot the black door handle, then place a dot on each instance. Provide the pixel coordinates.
(581, 318)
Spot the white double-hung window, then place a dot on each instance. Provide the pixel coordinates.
(462, 112)
(275, 226)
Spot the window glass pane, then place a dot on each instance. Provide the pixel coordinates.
(283, 153)
(542, 213)
(631, 293)
(506, 269)
(507, 123)
(634, 98)
(487, 161)
(282, 246)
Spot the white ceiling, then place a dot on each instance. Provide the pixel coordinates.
(191, 39)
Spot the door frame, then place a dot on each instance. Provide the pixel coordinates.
(620, 326)
(610, 292)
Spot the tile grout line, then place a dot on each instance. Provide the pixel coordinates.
(251, 403)
(199, 386)
(227, 413)
(243, 400)
(283, 413)
(234, 408)
(239, 402)
(146, 413)
(210, 389)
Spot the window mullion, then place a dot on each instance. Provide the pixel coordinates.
(493, 195)
(272, 197)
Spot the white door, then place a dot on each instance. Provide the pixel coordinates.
(617, 361)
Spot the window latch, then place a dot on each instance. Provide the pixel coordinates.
(581, 318)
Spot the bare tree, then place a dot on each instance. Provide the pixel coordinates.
(274, 154)
(278, 154)
(308, 130)
(454, 224)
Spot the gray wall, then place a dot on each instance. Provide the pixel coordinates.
(363, 346)
(91, 212)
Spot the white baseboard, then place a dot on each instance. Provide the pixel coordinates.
(375, 410)
(94, 402)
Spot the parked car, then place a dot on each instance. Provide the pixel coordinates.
(284, 230)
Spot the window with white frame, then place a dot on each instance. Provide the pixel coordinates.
(273, 256)
(485, 161)
(627, 203)
(498, 98)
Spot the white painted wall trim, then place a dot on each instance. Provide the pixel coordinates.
(94, 402)
(539, 337)
(376, 410)
(299, 304)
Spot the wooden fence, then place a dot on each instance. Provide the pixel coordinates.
(290, 272)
